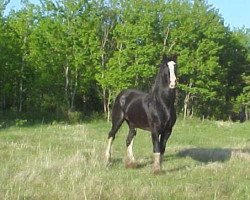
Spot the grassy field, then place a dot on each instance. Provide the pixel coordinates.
(204, 160)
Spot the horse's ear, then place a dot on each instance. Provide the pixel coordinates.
(173, 57)
(165, 59)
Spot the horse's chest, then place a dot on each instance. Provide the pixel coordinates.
(161, 117)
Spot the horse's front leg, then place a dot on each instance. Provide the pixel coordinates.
(157, 154)
(163, 140)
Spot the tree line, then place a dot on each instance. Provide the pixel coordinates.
(65, 56)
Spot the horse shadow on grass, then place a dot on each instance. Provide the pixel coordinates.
(208, 155)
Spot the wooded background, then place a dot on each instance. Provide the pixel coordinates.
(74, 56)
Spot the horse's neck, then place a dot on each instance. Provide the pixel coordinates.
(159, 85)
(162, 92)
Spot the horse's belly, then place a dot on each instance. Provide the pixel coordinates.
(136, 115)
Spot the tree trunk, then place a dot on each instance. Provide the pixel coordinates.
(73, 91)
(186, 100)
(104, 101)
(20, 106)
(186, 103)
(108, 105)
(66, 87)
(246, 113)
(104, 95)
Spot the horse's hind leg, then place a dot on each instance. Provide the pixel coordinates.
(130, 160)
(117, 120)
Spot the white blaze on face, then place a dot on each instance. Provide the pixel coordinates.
(171, 66)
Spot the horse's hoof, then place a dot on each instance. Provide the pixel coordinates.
(107, 160)
(156, 170)
(131, 164)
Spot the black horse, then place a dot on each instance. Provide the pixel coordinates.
(153, 111)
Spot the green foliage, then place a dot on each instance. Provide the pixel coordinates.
(20, 122)
(244, 97)
(66, 56)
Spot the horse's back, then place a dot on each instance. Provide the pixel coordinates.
(128, 96)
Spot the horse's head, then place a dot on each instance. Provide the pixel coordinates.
(169, 70)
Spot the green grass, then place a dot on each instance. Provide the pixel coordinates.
(204, 160)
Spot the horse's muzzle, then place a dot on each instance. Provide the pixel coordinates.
(172, 84)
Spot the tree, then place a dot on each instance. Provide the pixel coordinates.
(19, 77)
(135, 49)
(199, 34)
(242, 71)
(66, 39)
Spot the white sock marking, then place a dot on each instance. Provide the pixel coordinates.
(108, 150)
(130, 154)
